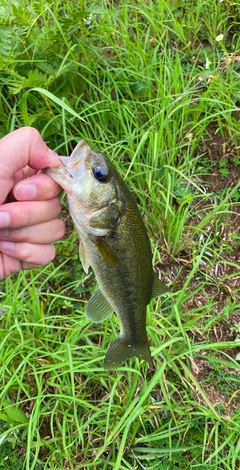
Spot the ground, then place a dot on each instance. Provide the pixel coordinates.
(215, 152)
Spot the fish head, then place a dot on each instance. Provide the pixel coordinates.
(96, 199)
(92, 179)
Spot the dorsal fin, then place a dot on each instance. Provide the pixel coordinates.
(158, 287)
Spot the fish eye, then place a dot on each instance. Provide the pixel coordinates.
(101, 173)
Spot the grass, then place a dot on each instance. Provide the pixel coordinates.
(149, 84)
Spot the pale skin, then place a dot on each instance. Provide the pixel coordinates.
(29, 206)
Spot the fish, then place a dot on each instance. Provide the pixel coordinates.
(115, 243)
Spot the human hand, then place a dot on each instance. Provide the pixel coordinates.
(28, 203)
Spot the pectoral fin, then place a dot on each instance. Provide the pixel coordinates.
(158, 287)
(98, 308)
(106, 252)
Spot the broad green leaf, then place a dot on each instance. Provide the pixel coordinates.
(50, 96)
(14, 413)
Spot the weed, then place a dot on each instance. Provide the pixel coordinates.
(223, 167)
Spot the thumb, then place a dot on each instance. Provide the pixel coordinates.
(18, 149)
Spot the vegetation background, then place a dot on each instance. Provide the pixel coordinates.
(155, 85)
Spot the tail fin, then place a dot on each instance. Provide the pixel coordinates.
(121, 350)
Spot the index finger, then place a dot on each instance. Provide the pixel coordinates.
(18, 149)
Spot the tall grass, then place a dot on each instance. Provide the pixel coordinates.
(147, 83)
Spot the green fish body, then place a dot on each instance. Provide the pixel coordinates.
(114, 242)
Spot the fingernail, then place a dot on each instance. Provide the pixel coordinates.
(25, 192)
(6, 246)
(5, 219)
(4, 232)
(55, 162)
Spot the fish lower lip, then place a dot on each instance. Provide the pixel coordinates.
(64, 160)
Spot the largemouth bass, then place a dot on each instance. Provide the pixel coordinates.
(114, 242)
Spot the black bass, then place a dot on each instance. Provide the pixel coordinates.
(114, 242)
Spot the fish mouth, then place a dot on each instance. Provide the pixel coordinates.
(75, 163)
(64, 160)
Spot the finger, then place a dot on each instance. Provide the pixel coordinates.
(26, 265)
(47, 232)
(21, 148)
(19, 176)
(8, 265)
(23, 174)
(21, 214)
(37, 187)
(29, 252)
